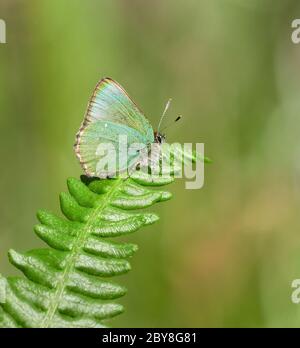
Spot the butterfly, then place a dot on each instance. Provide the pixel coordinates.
(112, 114)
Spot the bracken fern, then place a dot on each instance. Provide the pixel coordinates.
(66, 285)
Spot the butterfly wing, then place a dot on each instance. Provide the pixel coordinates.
(111, 113)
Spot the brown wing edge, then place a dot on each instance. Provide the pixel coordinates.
(85, 122)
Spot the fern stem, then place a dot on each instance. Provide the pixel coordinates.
(75, 252)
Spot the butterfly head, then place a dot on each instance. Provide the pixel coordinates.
(159, 137)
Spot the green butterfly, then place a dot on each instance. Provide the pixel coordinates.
(111, 113)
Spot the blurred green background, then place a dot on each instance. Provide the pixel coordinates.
(221, 256)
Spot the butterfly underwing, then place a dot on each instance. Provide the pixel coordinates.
(113, 126)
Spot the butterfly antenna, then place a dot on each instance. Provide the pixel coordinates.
(163, 114)
(173, 122)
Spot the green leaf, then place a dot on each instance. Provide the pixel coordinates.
(68, 284)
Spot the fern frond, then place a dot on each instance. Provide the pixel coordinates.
(67, 284)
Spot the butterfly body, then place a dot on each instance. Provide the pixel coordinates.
(159, 137)
(112, 118)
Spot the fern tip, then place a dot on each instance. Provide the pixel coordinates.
(40, 214)
(13, 256)
(150, 218)
(165, 196)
